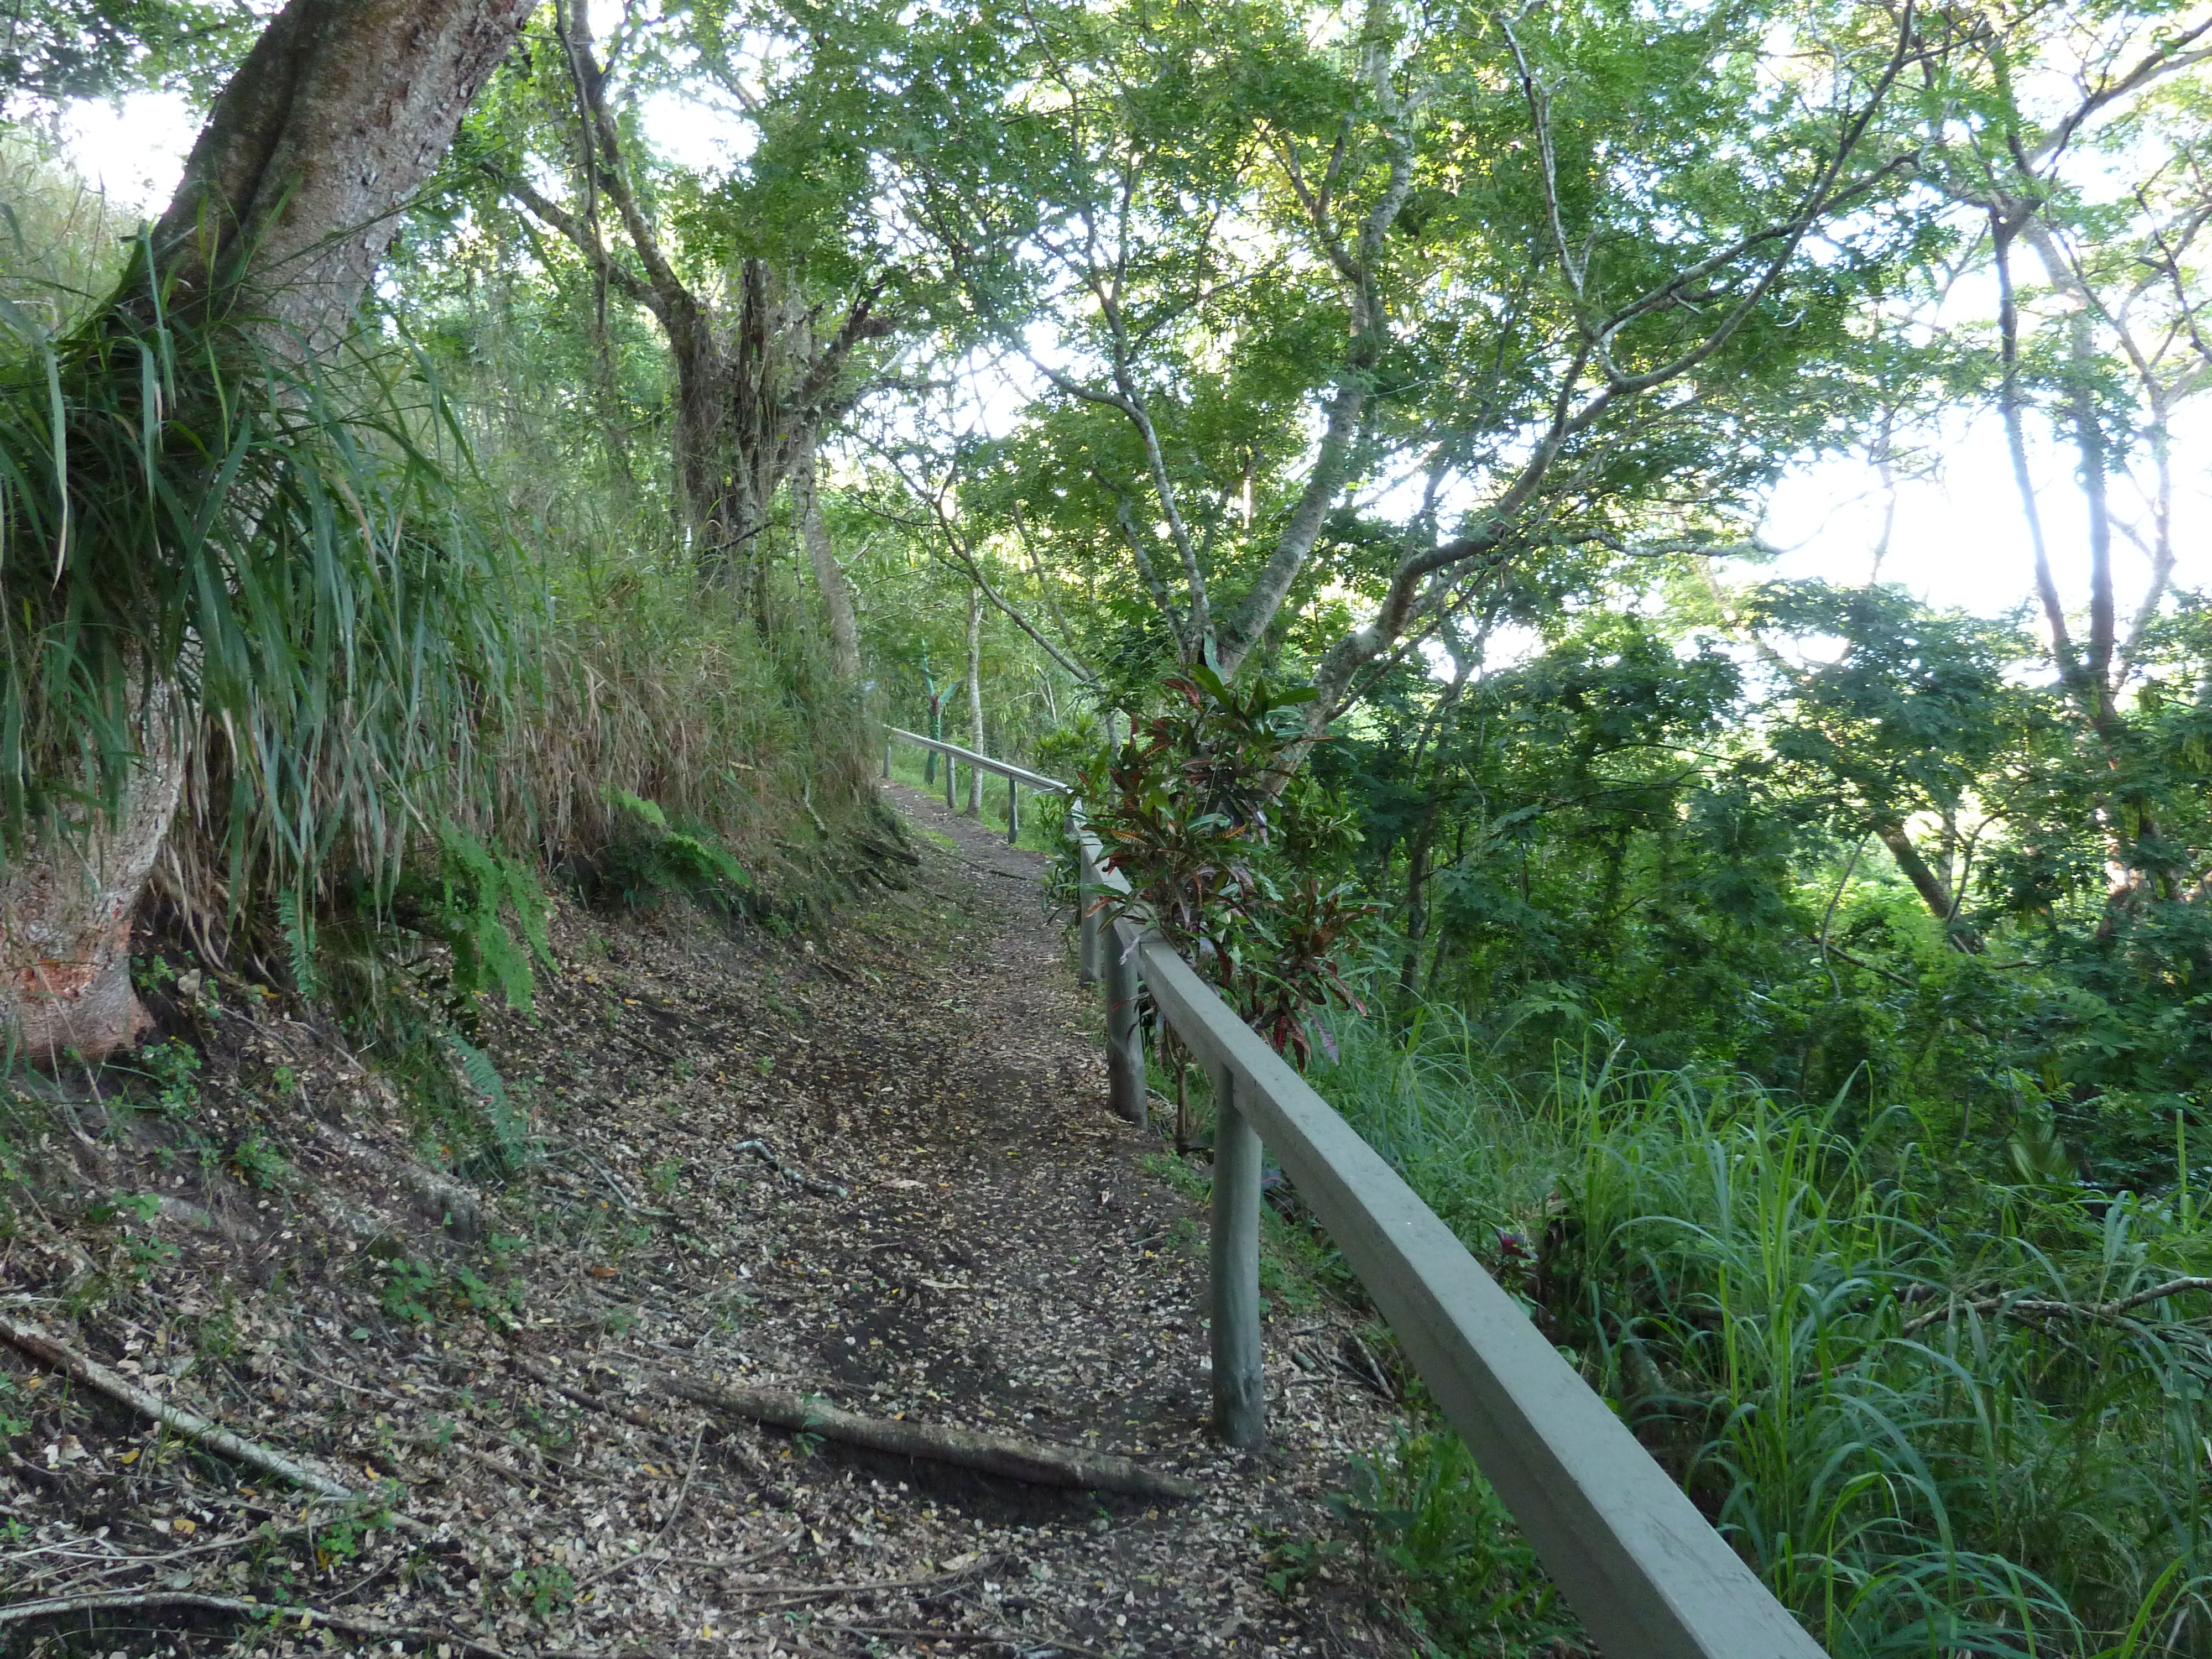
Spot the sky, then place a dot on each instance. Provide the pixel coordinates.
(1959, 540)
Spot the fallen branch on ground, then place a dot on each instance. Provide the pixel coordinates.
(195, 1428)
(59, 1606)
(994, 1453)
(793, 1594)
(765, 1153)
(544, 1374)
(1020, 1641)
(117, 1565)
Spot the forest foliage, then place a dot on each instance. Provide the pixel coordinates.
(1345, 438)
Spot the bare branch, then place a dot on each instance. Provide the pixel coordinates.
(586, 239)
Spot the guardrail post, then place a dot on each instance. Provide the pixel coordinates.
(1240, 1386)
(1087, 970)
(950, 769)
(1125, 1039)
(1013, 811)
(1086, 928)
(887, 760)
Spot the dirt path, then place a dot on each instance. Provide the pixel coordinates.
(1002, 1256)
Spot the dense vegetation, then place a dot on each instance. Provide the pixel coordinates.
(1345, 440)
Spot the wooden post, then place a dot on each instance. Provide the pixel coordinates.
(1125, 1039)
(1240, 1389)
(1013, 813)
(887, 760)
(950, 805)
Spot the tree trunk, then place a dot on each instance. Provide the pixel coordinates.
(1417, 899)
(975, 699)
(1930, 886)
(67, 902)
(291, 193)
(329, 128)
(836, 595)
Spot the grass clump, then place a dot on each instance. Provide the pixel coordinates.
(405, 680)
(1935, 1410)
(1428, 1516)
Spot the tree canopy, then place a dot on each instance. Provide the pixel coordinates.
(1351, 441)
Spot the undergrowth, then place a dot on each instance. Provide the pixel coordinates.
(413, 661)
(1938, 1411)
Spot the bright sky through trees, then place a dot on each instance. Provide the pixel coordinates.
(1955, 538)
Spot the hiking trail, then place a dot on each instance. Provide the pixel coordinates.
(874, 1167)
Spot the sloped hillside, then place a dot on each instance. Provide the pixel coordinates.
(872, 1166)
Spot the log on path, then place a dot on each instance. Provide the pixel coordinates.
(1028, 1460)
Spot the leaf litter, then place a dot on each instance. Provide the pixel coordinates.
(874, 1165)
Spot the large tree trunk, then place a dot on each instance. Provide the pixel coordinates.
(333, 122)
(836, 594)
(742, 424)
(67, 903)
(330, 126)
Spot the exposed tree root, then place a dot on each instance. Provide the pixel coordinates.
(538, 1371)
(994, 1453)
(762, 1150)
(436, 1197)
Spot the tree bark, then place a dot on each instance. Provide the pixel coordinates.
(340, 112)
(756, 382)
(975, 699)
(67, 902)
(1001, 1455)
(1934, 893)
(836, 594)
(290, 195)
(1417, 897)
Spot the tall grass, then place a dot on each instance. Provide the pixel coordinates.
(370, 647)
(1936, 1411)
(265, 552)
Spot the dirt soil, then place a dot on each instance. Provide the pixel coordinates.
(873, 1165)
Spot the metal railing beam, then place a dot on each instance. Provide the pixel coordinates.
(1649, 1577)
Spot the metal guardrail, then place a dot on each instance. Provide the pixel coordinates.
(1017, 777)
(1649, 1577)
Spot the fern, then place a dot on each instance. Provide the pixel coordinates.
(649, 810)
(510, 1132)
(493, 913)
(656, 858)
